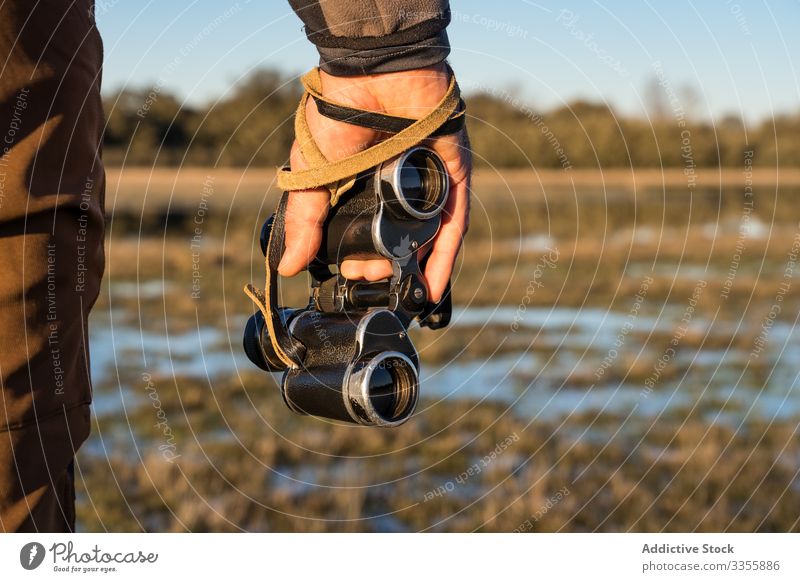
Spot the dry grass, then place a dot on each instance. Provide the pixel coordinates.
(136, 187)
(287, 473)
(245, 458)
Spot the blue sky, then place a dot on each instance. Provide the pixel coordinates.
(739, 57)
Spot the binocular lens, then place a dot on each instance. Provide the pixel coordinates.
(385, 389)
(419, 182)
(392, 386)
(381, 392)
(422, 181)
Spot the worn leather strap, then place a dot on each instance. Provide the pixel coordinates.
(267, 300)
(383, 122)
(338, 176)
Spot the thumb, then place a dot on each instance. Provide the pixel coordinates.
(305, 212)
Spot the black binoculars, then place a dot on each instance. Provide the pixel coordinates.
(356, 362)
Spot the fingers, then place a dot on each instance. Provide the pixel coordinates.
(372, 270)
(455, 222)
(447, 244)
(455, 217)
(306, 210)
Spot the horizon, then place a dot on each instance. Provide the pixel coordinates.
(606, 53)
(509, 97)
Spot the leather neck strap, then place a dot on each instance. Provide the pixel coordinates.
(267, 300)
(383, 122)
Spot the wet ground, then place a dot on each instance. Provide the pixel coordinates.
(646, 366)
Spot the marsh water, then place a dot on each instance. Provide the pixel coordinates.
(643, 357)
(560, 372)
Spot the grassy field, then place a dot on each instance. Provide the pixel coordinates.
(136, 187)
(690, 454)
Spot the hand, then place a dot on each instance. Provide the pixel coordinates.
(410, 94)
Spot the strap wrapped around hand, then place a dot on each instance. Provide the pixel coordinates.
(267, 300)
(383, 122)
(338, 176)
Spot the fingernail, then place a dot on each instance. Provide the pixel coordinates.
(282, 265)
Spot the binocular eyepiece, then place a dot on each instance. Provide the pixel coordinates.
(356, 362)
(418, 183)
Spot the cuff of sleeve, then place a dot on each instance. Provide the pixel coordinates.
(343, 62)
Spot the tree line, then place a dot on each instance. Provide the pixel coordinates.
(253, 125)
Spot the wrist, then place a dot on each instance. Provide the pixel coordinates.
(410, 93)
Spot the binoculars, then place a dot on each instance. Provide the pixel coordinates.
(356, 362)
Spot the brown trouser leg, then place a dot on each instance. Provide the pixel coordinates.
(51, 251)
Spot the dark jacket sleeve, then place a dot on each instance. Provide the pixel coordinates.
(358, 37)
